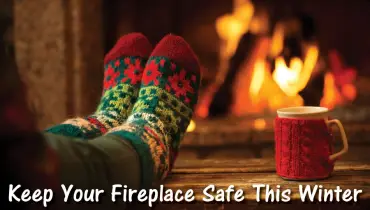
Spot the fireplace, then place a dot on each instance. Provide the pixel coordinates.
(259, 56)
(268, 62)
(332, 70)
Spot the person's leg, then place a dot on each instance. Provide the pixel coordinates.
(124, 66)
(96, 164)
(162, 113)
(141, 151)
(100, 162)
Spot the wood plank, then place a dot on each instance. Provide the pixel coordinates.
(220, 166)
(250, 166)
(197, 182)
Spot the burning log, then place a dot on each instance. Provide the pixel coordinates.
(313, 93)
(230, 28)
(222, 100)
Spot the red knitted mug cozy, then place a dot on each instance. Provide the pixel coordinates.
(302, 148)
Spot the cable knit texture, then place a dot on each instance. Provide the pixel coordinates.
(302, 149)
(124, 66)
(162, 113)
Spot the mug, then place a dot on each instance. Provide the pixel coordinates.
(303, 143)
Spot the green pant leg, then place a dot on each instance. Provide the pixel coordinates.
(96, 164)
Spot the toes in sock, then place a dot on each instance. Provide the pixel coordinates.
(124, 66)
(168, 94)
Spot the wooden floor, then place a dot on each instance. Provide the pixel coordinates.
(240, 167)
(240, 154)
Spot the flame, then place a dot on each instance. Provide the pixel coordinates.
(338, 89)
(294, 78)
(191, 126)
(333, 95)
(265, 90)
(282, 88)
(259, 124)
(277, 40)
(349, 91)
(257, 78)
(230, 28)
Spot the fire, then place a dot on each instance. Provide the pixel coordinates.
(294, 78)
(259, 124)
(268, 91)
(334, 96)
(339, 87)
(258, 90)
(258, 78)
(272, 91)
(191, 126)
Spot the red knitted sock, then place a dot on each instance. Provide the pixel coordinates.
(177, 50)
(168, 94)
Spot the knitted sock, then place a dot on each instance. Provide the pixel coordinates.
(124, 66)
(161, 115)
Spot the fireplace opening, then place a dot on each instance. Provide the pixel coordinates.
(259, 56)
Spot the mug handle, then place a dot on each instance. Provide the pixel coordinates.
(343, 136)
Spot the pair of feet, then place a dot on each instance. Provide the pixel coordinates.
(148, 99)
